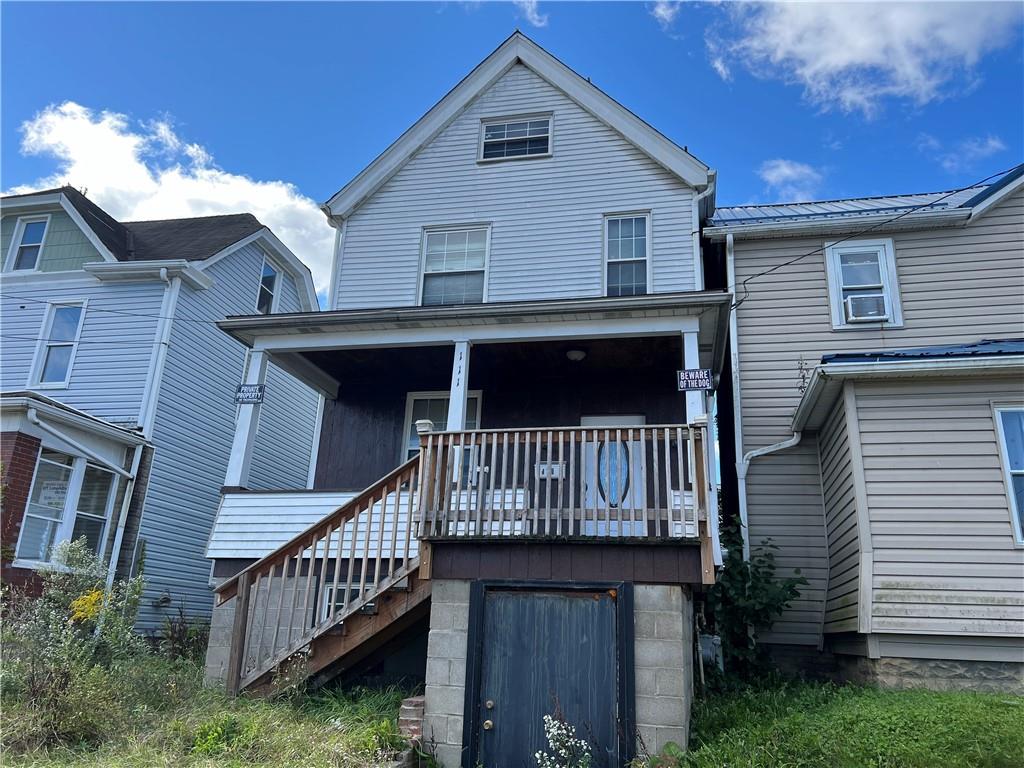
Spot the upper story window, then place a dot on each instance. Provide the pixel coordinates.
(27, 243)
(454, 266)
(70, 499)
(1010, 423)
(626, 251)
(266, 300)
(524, 137)
(58, 344)
(862, 283)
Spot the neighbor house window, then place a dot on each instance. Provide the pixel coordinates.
(454, 262)
(266, 301)
(434, 406)
(626, 249)
(524, 137)
(862, 282)
(59, 342)
(70, 499)
(27, 242)
(1010, 423)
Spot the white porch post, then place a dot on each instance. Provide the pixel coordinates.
(695, 399)
(697, 406)
(246, 424)
(460, 388)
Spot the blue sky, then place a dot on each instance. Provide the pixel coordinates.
(176, 109)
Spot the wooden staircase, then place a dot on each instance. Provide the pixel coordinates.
(328, 597)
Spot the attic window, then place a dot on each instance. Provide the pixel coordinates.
(511, 139)
(28, 240)
(266, 300)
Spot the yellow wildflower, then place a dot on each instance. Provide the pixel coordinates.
(86, 607)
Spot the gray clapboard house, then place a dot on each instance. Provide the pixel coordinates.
(880, 424)
(118, 388)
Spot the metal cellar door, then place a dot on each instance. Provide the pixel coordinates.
(545, 651)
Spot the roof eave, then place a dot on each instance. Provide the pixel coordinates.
(881, 222)
(154, 269)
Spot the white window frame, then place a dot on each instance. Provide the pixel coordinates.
(44, 343)
(549, 116)
(275, 297)
(15, 245)
(436, 229)
(1004, 460)
(646, 215)
(890, 284)
(70, 512)
(433, 395)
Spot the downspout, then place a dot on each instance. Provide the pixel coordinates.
(122, 517)
(698, 261)
(147, 413)
(741, 474)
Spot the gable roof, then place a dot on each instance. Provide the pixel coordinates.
(958, 205)
(517, 49)
(191, 239)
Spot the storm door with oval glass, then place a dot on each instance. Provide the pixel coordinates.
(613, 476)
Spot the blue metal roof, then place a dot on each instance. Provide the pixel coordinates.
(983, 348)
(859, 206)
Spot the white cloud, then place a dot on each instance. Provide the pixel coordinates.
(963, 155)
(146, 171)
(666, 11)
(532, 13)
(789, 180)
(855, 55)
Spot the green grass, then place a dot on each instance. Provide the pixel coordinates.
(203, 728)
(827, 726)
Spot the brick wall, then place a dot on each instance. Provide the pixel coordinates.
(18, 455)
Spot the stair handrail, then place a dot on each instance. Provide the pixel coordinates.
(228, 588)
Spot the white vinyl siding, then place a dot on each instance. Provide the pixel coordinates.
(862, 283)
(1010, 422)
(957, 286)
(546, 217)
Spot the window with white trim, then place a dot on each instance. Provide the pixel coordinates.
(454, 266)
(510, 139)
(58, 344)
(862, 284)
(27, 243)
(434, 406)
(626, 250)
(266, 300)
(1010, 422)
(70, 499)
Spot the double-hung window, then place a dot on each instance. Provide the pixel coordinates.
(27, 243)
(434, 406)
(626, 249)
(522, 137)
(70, 499)
(454, 265)
(1010, 424)
(266, 300)
(59, 341)
(862, 283)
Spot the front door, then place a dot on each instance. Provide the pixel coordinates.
(547, 651)
(612, 477)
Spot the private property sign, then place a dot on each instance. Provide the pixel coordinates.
(694, 378)
(249, 394)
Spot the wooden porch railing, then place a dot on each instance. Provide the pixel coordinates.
(633, 482)
(328, 572)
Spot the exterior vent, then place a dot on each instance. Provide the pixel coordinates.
(868, 308)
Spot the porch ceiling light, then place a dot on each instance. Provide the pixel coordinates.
(576, 355)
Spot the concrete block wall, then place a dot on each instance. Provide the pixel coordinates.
(663, 661)
(446, 670)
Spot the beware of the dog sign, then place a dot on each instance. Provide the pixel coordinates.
(694, 378)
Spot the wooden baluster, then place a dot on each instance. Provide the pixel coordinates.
(338, 557)
(251, 631)
(668, 484)
(323, 592)
(644, 504)
(560, 500)
(608, 489)
(425, 489)
(460, 465)
(493, 481)
(379, 550)
(295, 592)
(631, 495)
(304, 618)
(548, 457)
(572, 483)
(515, 487)
(280, 605)
(438, 470)
(408, 518)
(351, 568)
(656, 476)
(622, 490)
(475, 479)
(365, 567)
(680, 453)
(266, 613)
(236, 654)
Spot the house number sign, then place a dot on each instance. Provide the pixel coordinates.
(249, 394)
(693, 378)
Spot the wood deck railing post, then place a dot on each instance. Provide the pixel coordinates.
(239, 629)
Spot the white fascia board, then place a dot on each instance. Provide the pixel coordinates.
(283, 254)
(13, 205)
(824, 376)
(145, 271)
(775, 229)
(73, 418)
(517, 49)
(988, 202)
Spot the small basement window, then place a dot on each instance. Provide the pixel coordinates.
(29, 234)
(454, 264)
(862, 284)
(509, 139)
(1010, 424)
(626, 249)
(266, 300)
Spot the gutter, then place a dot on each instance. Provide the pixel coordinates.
(698, 259)
(139, 271)
(951, 217)
(33, 416)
